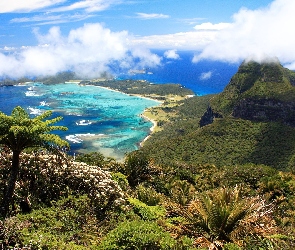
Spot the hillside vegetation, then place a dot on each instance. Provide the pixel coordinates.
(262, 92)
(255, 133)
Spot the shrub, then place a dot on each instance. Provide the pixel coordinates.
(147, 212)
(148, 195)
(69, 224)
(137, 168)
(121, 180)
(138, 235)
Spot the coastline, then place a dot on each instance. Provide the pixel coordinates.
(137, 95)
(107, 88)
(151, 129)
(154, 122)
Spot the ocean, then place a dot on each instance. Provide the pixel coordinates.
(204, 77)
(109, 121)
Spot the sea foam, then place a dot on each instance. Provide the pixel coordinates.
(83, 122)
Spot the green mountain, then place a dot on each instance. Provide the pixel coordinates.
(251, 121)
(259, 92)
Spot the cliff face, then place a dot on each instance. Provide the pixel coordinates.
(259, 92)
(265, 110)
(208, 117)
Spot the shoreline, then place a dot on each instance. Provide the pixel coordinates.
(154, 122)
(137, 95)
(151, 129)
(157, 103)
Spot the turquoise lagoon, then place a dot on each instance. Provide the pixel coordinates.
(99, 119)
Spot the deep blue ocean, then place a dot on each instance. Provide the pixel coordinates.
(189, 74)
(108, 121)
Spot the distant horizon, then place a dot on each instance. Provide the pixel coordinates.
(202, 78)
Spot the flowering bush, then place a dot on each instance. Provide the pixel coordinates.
(45, 177)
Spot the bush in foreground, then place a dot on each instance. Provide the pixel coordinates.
(138, 235)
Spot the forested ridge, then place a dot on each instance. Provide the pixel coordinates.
(226, 185)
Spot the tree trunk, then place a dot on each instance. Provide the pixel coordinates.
(7, 199)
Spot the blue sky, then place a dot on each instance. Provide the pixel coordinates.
(46, 36)
(139, 17)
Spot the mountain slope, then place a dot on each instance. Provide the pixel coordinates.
(249, 122)
(225, 142)
(259, 92)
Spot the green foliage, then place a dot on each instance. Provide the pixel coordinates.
(181, 191)
(255, 81)
(19, 131)
(224, 142)
(69, 223)
(224, 215)
(96, 159)
(121, 179)
(231, 246)
(249, 174)
(144, 87)
(193, 107)
(137, 168)
(147, 212)
(45, 178)
(138, 235)
(148, 195)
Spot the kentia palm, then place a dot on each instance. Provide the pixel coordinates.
(18, 132)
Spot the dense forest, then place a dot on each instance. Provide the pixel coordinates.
(227, 184)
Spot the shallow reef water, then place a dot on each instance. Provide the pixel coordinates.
(98, 119)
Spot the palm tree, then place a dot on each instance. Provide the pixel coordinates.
(224, 215)
(18, 132)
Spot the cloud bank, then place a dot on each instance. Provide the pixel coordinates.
(180, 41)
(88, 50)
(256, 34)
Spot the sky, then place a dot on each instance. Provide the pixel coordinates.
(41, 37)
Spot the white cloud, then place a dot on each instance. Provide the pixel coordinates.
(190, 21)
(6, 48)
(256, 34)
(147, 59)
(206, 75)
(88, 5)
(27, 5)
(50, 19)
(211, 26)
(151, 16)
(171, 54)
(88, 50)
(23, 6)
(195, 40)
